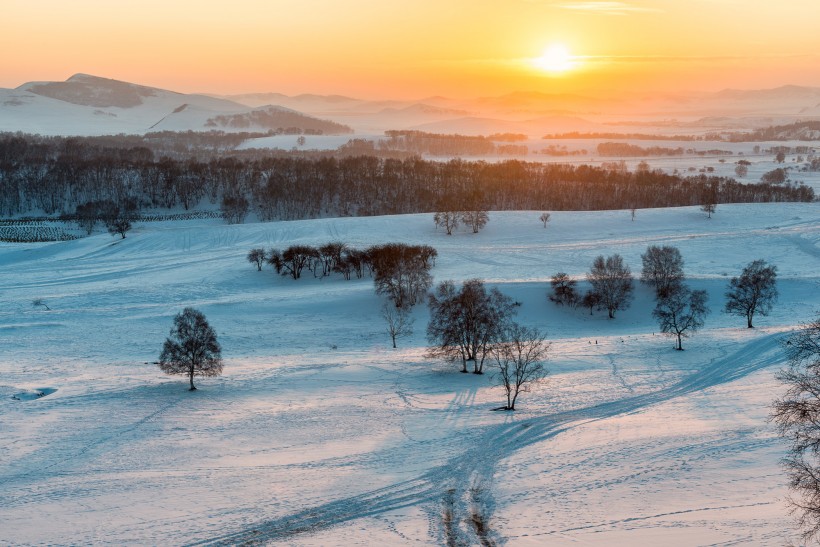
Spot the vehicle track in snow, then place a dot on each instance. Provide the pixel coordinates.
(465, 481)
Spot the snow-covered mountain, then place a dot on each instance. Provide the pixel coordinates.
(89, 105)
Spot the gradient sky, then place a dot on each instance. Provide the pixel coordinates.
(412, 49)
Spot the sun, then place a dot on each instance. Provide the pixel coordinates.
(555, 60)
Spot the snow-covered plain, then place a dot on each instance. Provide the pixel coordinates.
(319, 433)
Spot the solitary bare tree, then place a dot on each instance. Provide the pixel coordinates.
(545, 217)
(755, 291)
(797, 415)
(397, 320)
(519, 360)
(611, 282)
(662, 269)
(681, 312)
(257, 256)
(191, 348)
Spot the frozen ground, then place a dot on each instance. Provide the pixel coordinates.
(320, 434)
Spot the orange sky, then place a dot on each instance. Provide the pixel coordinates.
(413, 49)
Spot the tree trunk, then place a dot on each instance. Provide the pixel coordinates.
(393, 336)
(680, 346)
(463, 364)
(749, 322)
(191, 379)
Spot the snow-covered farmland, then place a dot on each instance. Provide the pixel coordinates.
(319, 433)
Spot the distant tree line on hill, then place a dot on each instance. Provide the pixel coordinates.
(798, 131)
(435, 144)
(624, 149)
(54, 176)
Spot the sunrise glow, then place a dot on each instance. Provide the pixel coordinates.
(556, 60)
(382, 48)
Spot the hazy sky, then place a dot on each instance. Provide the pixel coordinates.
(415, 48)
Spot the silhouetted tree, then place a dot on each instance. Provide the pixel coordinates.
(544, 218)
(465, 323)
(293, 260)
(755, 291)
(662, 269)
(191, 348)
(611, 281)
(447, 220)
(591, 301)
(401, 272)
(519, 360)
(257, 256)
(476, 220)
(797, 416)
(708, 208)
(398, 321)
(681, 311)
(563, 290)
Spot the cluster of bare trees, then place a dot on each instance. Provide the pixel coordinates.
(117, 218)
(679, 310)
(474, 324)
(450, 220)
(55, 175)
(400, 272)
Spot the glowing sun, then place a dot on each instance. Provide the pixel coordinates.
(556, 60)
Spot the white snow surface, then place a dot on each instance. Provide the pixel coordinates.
(319, 433)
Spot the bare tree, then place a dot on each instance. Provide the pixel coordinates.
(755, 291)
(741, 170)
(398, 321)
(708, 208)
(681, 312)
(329, 255)
(662, 269)
(465, 323)
(797, 416)
(519, 360)
(191, 348)
(293, 260)
(475, 219)
(447, 220)
(401, 272)
(611, 281)
(257, 256)
(544, 218)
(591, 301)
(563, 290)
(632, 211)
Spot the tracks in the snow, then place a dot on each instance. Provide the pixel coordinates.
(462, 487)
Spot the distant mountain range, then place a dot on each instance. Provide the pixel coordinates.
(90, 105)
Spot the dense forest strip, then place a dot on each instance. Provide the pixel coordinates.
(56, 175)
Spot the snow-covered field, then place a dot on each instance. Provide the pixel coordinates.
(319, 433)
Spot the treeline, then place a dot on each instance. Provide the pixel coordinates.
(625, 136)
(54, 176)
(622, 149)
(798, 131)
(436, 144)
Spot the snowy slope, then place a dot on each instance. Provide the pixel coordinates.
(320, 434)
(89, 105)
